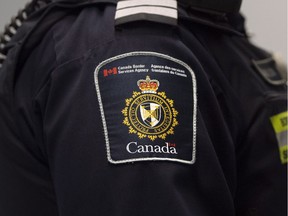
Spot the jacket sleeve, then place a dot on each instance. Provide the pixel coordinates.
(262, 152)
(262, 159)
(25, 180)
(258, 123)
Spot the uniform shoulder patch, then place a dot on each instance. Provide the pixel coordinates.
(148, 106)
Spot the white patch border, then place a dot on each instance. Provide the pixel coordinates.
(145, 53)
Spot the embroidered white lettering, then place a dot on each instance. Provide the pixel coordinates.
(134, 148)
(128, 148)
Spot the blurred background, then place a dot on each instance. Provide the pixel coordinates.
(266, 22)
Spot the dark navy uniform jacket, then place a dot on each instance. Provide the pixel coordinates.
(178, 117)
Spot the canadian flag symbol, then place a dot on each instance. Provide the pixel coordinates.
(112, 71)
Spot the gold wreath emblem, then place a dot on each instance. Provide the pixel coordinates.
(150, 114)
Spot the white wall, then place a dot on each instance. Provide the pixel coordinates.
(267, 24)
(266, 21)
(9, 8)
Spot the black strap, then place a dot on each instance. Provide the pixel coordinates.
(226, 6)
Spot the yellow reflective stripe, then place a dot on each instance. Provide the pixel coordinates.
(280, 125)
(283, 154)
(280, 122)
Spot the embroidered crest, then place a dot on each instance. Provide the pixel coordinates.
(150, 113)
(143, 117)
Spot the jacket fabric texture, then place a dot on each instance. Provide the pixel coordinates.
(142, 118)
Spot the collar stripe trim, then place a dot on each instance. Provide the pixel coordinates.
(134, 3)
(163, 11)
(168, 12)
